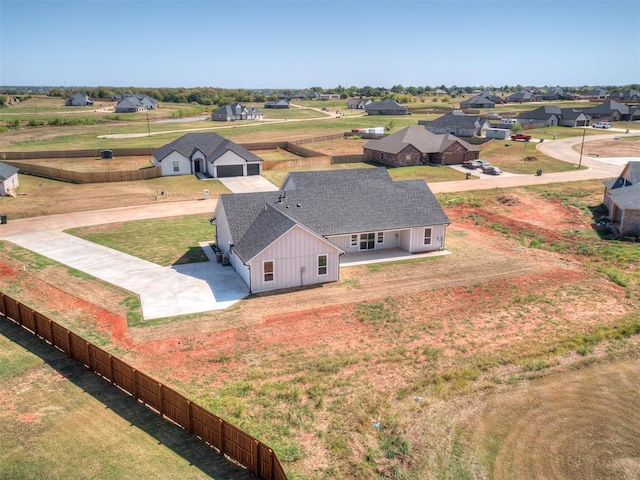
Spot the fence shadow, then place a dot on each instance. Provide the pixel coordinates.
(138, 415)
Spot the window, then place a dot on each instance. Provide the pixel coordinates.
(322, 264)
(367, 241)
(176, 166)
(267, 269)
(427, 236)
(380, 237)
(354, 240)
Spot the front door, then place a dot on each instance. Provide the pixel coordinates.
(196, 166)
(367, 241)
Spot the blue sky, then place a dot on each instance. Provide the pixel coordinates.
(304, 43)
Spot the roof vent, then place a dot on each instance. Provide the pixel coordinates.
(298, 205)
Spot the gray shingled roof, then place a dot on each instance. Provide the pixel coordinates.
(211, 145)
(420, 138)
(386, 104)
(627, 197)
(7, 171)
(334, 202)
(572, 113)
(541, 113)
(454, 119)
(608, 108)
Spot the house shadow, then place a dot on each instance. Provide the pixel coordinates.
(166, 433)
(192, 255)
(604, 230)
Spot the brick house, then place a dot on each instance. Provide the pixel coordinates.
(622, 198)
(415, 145)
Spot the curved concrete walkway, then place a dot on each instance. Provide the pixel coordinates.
(163, 291)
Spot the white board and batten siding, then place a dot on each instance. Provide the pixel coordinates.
(295, 261)
(168, 164)
(413, 240)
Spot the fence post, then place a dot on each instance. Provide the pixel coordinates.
(135, 384)
(70, 343)
(160, 398)
(256, 458)
(111, 368)
(189, 416)
(53, 338)
(221, 436)
(88, 345)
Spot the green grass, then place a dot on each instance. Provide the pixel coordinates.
(521, 157)
(161, 241)
(428, 173)
(61, 421)
(277, 176)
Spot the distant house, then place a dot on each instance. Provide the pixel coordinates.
(236, 111)
(484, 100)
(296, 236)
(521, 97)
(415, 145)
(207, 154)
(78, 100)
(458, 124)
(622, 198)
(136, 103)
(358, 103)
(282, 103)
(387, 106)
(571, 117)
(545, 116)
(596, 94)
(555, 93)
(8, 179)
(630, 95)
(329, 96)
(609, 110)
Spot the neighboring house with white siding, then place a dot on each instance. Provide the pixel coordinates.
(78, 100)
(8, 179)
(622, 198)
(295, 236)
(207, 154)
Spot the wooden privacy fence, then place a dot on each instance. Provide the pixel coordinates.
(214, 431)
(87, 177)
(92, 152)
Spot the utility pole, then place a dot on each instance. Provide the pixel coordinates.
(148, 126)
(584, 131)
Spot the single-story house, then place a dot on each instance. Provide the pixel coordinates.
(596, 94)
(282, 103)
(329, 96)
(570, 117)
(207, 154)
(634, 113)
(629, 95)
(8, 179)
(415, 145)
(358, 103)
(236, 111)
(609, 110)
(622, 198)
(499, 132)
(484, 100)
(136, 103)
(78, 100)
(387, 106)
(295, 236)
(545, 116)
(458, 124)
(521, 97)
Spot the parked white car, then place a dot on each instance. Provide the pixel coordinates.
(601, 125)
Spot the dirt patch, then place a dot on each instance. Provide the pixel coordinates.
(624, 147)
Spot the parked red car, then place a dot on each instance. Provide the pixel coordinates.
(521, 136)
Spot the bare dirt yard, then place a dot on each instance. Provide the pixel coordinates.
(422, 349)
(624, 147)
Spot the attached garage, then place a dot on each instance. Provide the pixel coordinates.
(253, 169)
(229, 171)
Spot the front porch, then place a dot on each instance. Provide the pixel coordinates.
(385, 255)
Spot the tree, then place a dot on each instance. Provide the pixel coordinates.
(3, 100)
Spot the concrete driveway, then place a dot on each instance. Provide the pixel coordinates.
(248, 184)
(163, 291)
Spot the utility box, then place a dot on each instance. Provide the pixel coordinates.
(106, 154)
(206, 194)
(3, 218)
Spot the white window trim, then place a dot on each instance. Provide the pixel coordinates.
(429, 240)
(326, 265)
(273, 271)
(176, 166)
(354, 240)
(380, 237)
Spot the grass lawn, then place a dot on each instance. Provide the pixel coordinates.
(277, 176)
(428, 173)
(521, 157)
(61, 421)
(35, 194)
(163, 241)
(95, 164)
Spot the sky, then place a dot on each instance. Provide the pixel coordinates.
(293, 44)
